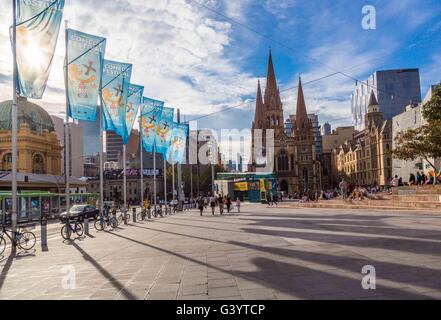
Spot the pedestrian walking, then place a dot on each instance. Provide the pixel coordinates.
(343, 185)
(220, 201)
(212, 204)
(238, 204)
(228, 203)
(201, 204)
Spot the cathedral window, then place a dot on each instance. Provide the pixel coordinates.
(7, 162)
(38, 164)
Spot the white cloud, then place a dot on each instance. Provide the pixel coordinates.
(178, 51)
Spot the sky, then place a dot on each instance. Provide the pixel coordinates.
(204, 56)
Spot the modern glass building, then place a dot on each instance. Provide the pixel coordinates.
(394, 90)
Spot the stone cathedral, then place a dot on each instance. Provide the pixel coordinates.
(295, 163)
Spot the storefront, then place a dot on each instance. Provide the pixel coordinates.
(252, 187)
(32, 205)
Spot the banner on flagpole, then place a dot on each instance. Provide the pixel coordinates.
(115, 89)
(178, 142)
(85, 53)
(151, 111)
(163, 130)
(38, 25)
(134, 101)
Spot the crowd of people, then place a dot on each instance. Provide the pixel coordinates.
(217, 201)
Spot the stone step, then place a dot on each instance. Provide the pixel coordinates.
(404, 204)
(412, 190)
(415, 197)
(330, 205)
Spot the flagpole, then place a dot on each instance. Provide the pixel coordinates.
(101, 147)
(154, 179)
(165, 182)
(66, 130)
(141, 160)
(14, 123)
(179, 175)
(124, 183)
(173, 179)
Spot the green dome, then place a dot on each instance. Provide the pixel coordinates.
(35, 116)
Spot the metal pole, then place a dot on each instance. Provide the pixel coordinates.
(14, 123)
(212, 176)
(173, 180)
(101, 152)
(141, 161)
(179, 174)
(66, 130)
(154, 179)
(124, 183)
(191, 185)
(165, 181)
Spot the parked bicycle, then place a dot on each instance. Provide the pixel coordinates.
(102, 222)
(67, 229)
(143, 214)
(120, 218)
(24, 238)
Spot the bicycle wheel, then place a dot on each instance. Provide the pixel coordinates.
(2, 245)
(27, 240)
(65, 232)
(79, 229)
(120, 219)
(113, 223)
(99, 224)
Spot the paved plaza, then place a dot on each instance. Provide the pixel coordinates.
(261, 253)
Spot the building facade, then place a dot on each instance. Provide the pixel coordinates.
(394, 90)
(367, 158)
(411, 118)
(295, 164)
(76, 149)
(39, 150)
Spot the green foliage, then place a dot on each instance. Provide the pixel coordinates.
(432, 109)
(423, 142)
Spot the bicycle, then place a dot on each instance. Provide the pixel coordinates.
(67, 230)
(101, 223)
(143, 214)
(121, 217)
(24, 239)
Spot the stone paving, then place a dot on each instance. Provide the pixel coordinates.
(261, 253)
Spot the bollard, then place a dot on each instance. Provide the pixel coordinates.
(43, 234)
(125, 216)
(134, 214)
(86, 226)
(149, 213)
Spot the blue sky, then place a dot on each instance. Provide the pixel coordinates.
(202, 62)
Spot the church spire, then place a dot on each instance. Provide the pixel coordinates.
(302, 120)
(259, 105)
(272, 97)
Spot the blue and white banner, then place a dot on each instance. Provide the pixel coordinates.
(85, 55)
(178, 142)
(38, 25)
(151, 111)
(134, 101)
(115, 90)
(163, 130)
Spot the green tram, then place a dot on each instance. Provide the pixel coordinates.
(33, 205)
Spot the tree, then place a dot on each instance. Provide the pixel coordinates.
(425, 141)
(432, 109)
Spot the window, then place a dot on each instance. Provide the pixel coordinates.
(7, 162)
(38, 164)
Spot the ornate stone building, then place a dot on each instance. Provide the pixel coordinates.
(367, 158)
(295, 162)
(39, 150)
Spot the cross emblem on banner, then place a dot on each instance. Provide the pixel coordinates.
(166, 125)
(119, 90)
(89, 67)
(152, 119)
